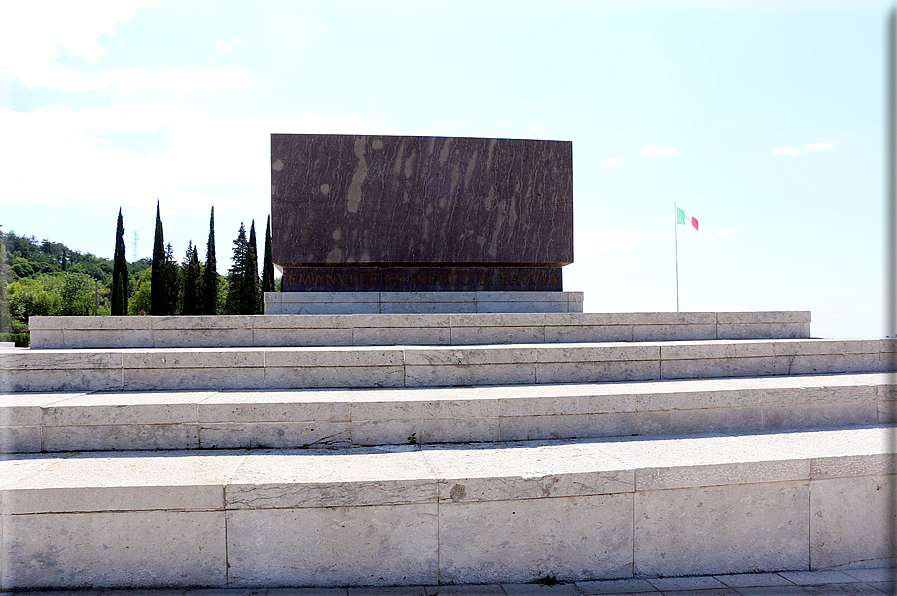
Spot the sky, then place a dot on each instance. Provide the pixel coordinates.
(764, 120)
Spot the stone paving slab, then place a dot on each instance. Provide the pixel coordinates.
(748, 584)
(489, 325)
(426, 366)
(189, 419)
(596, 508)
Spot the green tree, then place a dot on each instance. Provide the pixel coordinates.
(238, 301)
(29, 298)
(139, 304)
(120, 271)
(191, 274)
(252, 287)
(170, 279)
(268, 265)
(210, 274)
(157, 298)
(5, 274)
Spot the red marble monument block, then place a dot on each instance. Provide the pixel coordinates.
(392, 205)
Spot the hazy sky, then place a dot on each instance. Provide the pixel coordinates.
(762, 119)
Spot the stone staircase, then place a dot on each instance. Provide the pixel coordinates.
(440, 449)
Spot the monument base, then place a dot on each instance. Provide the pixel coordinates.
(341, 303)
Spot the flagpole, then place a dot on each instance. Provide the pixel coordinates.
(676, 243)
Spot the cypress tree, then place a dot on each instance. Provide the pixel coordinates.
(236, 295)
(157, 291)
(192, 282)
(210, 273)
(251, 288)
(268, 265)
(120, 272)
(171, 286)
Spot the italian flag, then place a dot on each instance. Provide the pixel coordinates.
(683, 219)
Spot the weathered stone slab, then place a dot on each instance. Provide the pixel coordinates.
(575, 537)
(114, 549)
(448, 318)
(333, 546)
(722, 529)
(295, 479)
(849, 521)
(122, 482)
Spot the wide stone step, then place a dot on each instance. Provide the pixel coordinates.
(431, 366)
(290, 419)
(409, 329)
(511, 512)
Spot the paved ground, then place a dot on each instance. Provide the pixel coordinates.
(787, 583)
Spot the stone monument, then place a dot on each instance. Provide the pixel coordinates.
(353, 213)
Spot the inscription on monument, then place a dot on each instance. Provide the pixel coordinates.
(421, 279)
(395, 213)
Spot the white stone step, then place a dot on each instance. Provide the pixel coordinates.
(402, 329)
(53, 422)
(431, 366)
(581, 510)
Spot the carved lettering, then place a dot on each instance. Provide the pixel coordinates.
(427, 279)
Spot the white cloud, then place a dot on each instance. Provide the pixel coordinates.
(537, 128)
(611, 163)
(226, 46)
(32, 32)
(655, 151)
(191, 157)
(727, 231)
(127, 80)
(820, 146)
(31, 37)
(786, 150)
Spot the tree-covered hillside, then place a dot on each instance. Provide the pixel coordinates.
(42, 278)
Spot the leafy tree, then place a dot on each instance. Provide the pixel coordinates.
(120, 271)
(139, 304)
(4, 301)
(191, 274)
(77, 294)
(29, 298)
(251, 275)
(22, 268)
(268, 265)
(135, 270)
(157, 298)
(210, 275)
